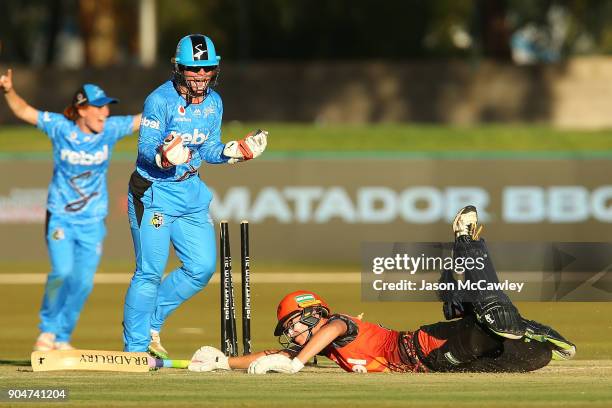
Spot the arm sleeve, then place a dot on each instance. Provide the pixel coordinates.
(352, 330)
(121, 126)
(211, 151)
(152, 128)
(50, 123)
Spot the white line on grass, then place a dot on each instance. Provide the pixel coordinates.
(265, 277)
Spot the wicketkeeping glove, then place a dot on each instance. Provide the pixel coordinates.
(277, 363)
(208, 359)
(252, 146)
(172, 152)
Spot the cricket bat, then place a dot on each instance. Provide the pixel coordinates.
(98, 360)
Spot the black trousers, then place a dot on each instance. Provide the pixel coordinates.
(468, 347)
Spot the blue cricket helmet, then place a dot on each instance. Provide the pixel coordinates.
(196, 50)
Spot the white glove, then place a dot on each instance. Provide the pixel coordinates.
(208, 359)
(279, 363)
(172, 152)
(252, 146)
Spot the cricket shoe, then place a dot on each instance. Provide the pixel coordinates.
(465, 223)
(562, 349)
(155, 347)
(45, 342)
(62, 346)
(495, 311)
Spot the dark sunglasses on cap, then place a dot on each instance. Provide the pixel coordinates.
(197, 69)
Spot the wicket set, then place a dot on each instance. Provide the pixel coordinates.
(229, 334)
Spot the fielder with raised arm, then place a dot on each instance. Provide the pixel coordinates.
(167, 201)
(83, 137)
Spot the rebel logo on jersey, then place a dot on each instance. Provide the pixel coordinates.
(192, 138)
(150, 123)
(83, 158)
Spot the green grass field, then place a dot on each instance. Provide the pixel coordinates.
(577, 384)
(586, 381)
(298, 139)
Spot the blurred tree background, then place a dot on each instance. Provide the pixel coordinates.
(99, 33)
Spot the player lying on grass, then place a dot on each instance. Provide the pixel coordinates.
(487, 335)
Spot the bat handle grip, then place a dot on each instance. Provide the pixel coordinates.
(156, 363)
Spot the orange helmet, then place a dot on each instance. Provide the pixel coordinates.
(296, 302)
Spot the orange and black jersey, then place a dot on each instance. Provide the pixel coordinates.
(457, 346)
(368, 347)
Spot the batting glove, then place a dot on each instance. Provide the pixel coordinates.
(252, 146)
(172, 152)
(278, 363)
(208, 359)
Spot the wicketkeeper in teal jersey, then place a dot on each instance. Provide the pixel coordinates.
(168, 202)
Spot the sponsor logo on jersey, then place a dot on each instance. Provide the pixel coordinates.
(157, 220)
(196, 112)
(192, 138)
(181, 110)
(358, 365)
(150, 123)
(208, 111)
(46, 117)
(83, 158)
